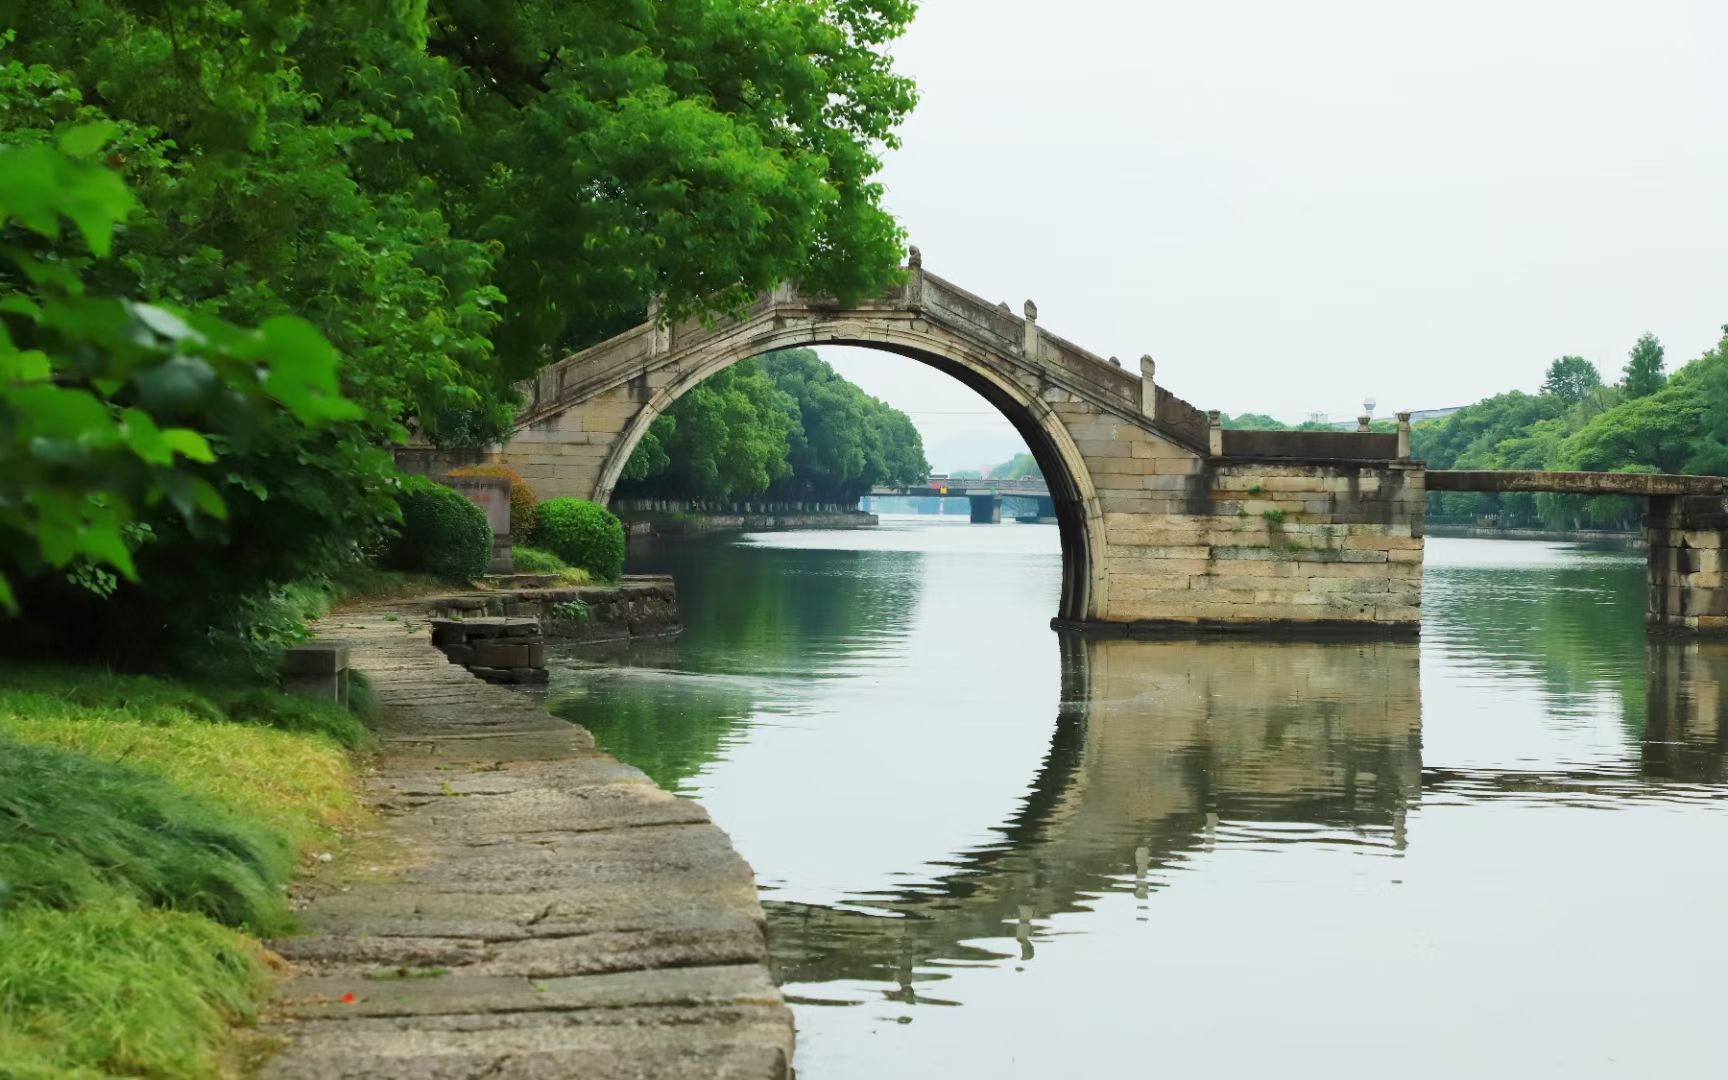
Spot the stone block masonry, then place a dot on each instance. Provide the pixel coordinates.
(1688, 591)
(639, 605)
(539, 910)
(497, 649)
(1226, 544)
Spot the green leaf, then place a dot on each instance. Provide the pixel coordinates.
(7, 600)
(301, 372)
(85, 139)
(188, 444)
(145, 438)
(22, 367)
(208, 500)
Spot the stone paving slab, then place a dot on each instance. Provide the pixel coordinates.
(556, 913)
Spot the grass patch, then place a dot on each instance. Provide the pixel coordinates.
(1275, 517)
(255, 753)
(533, 560)
(144, 824)
(76, 831)
(120, 990)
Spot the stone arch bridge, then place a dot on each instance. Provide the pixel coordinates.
(1167, 521)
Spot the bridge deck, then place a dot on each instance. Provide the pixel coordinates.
(1573, 483)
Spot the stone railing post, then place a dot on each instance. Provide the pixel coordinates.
(1404, 436)
(1029, 345)
(914, 277)
(1214, 434)
(657, 332)
(1362, 423)
(1148, 388)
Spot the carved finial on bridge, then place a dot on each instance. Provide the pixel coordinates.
(914, 258)
(1115, 362)
(1148, 388)
(1031, 310)
(1004, 308)
(1030, 344)
(1404, 435)
(1214, 434)
(1362, 423)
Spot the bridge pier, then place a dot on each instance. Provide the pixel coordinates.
(1687, 590)
(986, 509)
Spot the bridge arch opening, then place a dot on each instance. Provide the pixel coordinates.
(1046, 438)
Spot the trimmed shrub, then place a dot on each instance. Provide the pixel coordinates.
(587, 536)
(522, 500)
(532, 560)
(442, 532)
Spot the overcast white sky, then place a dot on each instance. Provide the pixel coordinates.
(1293, 205)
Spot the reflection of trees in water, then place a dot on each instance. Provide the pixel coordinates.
(1580, 631)
(1161, 749)
(1574, 628)
(670, 708)
(753, 609)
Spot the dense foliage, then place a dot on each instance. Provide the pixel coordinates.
(443, 533)
(586, 536)
(1577, 423)
(785, 425)
(448, 192)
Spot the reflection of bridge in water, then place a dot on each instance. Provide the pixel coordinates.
(1163, 749)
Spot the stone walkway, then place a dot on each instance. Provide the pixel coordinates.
(550, 912)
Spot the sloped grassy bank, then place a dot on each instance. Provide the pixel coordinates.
(148, 829)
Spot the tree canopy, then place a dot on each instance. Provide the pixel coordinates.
(786, 426)
(454, 190)
(450, 193)
(1681, 426)
(1571, 378)
(1644, 374)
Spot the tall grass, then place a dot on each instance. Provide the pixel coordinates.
(121, 991)
(290, 775)
(76, 831)
(145, 827)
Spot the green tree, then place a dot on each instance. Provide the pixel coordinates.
(1571, 378)
(1644, 374)
(727, 436)
(1252, 422)
(1018, 467)
(846, 441)
(449, 192)
(110, 407)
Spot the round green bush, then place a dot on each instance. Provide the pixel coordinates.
(442, 532)
(583, 534)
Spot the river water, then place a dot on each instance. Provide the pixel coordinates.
(987, 849)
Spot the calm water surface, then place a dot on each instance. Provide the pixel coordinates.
(990, 850)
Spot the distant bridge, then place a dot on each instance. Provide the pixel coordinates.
(985, 495)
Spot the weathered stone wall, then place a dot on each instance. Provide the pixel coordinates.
(1685, 568)
(641, 605)
(1192, 541)
(564, 454)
